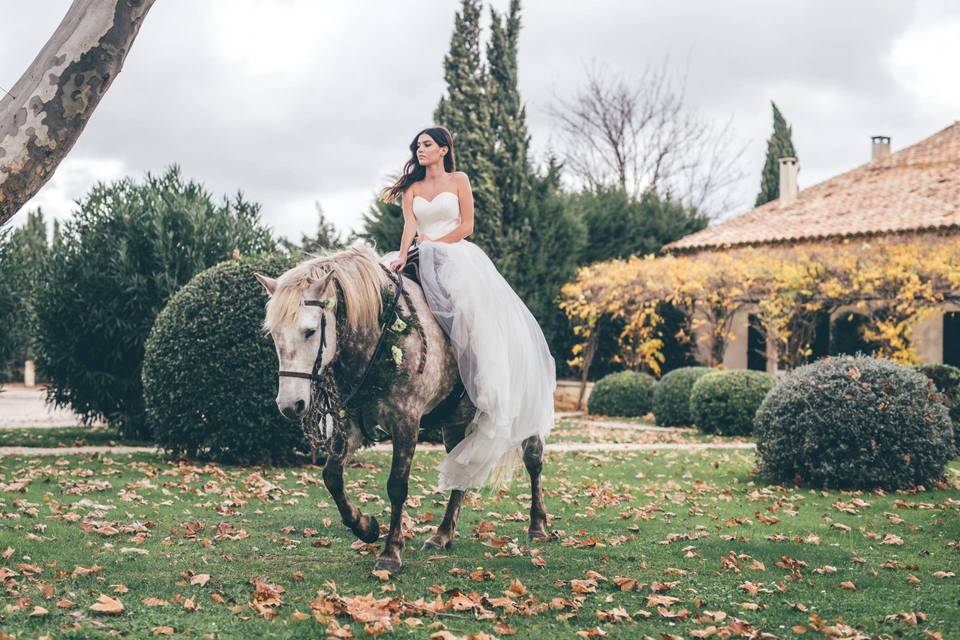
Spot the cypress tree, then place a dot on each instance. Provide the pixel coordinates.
(508, 116)
(465, 111)
(779, 145)
(544, 245)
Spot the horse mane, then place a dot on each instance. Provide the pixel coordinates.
(358, 272)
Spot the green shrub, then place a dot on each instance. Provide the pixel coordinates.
(22, 254)
(671, 397)
(946, 379)
(725, 402)
(626, 393)
(10, 306)
(210, 376)
(853, 423)
(126, 250)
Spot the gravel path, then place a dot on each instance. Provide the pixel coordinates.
(626, 426)
(22, 407)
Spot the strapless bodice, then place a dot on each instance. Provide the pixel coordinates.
(437, 217)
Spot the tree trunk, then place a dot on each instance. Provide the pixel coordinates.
(44, 113)
(588, 353)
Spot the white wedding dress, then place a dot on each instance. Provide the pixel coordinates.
(504, 360)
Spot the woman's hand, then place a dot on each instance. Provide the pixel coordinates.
(423, 238)
(397, 264)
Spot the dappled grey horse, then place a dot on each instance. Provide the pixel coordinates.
(327, 310)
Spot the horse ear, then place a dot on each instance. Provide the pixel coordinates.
(268, 283)
(317, 287)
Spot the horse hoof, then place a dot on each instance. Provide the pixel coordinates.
(432, 545)
(539, 535)
(373, 532)
(387, 564)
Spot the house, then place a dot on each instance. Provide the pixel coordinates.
(912, 195)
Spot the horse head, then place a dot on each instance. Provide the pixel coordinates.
(304, 317)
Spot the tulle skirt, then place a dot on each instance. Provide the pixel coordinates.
(502, 355)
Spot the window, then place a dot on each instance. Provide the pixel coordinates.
(846, 335)
(756, 345)
(951, 338)
(820, 345)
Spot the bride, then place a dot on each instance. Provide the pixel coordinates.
(503, 358)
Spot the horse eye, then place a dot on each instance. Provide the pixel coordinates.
(309, 332)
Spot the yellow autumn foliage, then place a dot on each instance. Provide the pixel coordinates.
(893, 281)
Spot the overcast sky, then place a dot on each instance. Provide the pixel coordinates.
(296, 102)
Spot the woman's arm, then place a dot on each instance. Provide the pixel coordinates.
(409, 229)
(465, 196)
(409, 222)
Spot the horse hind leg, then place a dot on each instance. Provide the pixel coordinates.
(533, 460)
(443, 538)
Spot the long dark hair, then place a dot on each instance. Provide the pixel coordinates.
(413, 171)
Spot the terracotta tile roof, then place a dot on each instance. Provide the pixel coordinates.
(916, 188)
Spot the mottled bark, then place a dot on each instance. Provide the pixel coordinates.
(45, 111)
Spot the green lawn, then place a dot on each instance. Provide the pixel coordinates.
(693, 543)
(78, 436)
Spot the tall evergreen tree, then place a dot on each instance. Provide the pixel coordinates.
(780, 145)
(544, 245)
(508, 117)
(465, 111)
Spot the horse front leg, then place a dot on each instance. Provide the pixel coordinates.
(443, 538)
(363, 526)
(533, 460)
(404, 445)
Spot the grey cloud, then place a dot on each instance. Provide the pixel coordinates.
(334, 128)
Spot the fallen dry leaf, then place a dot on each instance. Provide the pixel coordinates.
(200, 579)
(107, 605)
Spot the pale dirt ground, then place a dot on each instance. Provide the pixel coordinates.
(22, 406)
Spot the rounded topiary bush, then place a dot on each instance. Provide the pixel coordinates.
(671, 397)
(725, 402)
(853, 423)
(625, 393)
(210, 376)
(946, 378)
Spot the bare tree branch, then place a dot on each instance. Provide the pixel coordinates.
(641, 135)
(45, 111)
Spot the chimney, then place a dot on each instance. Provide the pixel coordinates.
(788, 179)
(880, 147)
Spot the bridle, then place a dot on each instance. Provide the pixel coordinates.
(314, 376)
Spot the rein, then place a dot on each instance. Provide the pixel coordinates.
(317, 381)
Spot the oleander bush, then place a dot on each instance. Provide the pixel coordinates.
(854, 422)
(625, 393)
(128, 247)
(725, 402)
